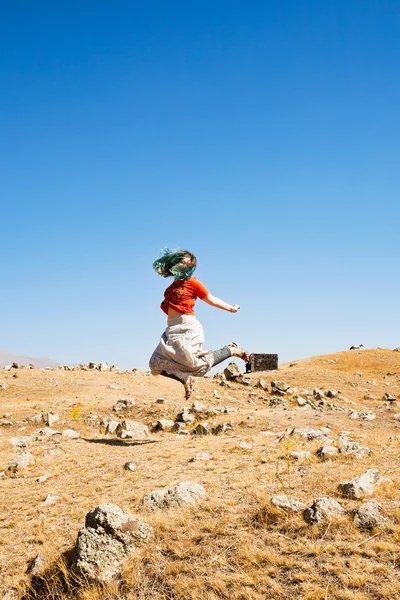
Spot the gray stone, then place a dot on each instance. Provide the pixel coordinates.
(262, 384)
(244, 445)
(279, 385)
(369, 397)
(354, 448)
(310, 433)
(103, 366)
(201, 456)
(232, 371)
(363, 415)
(198, 407)
(43, 478)
(318, 394)
(277, 401)
(180, 428)
(4, 385)
(50, 499)
(132, 429)
(21, 462)
(18, 442)
(322, 510)
(288, 504)
(110, 535)
(36, 418)
(36, 566)
(164, 425)
(112, 426)
(185, 492)
(202, 429)
(332, 393)
(70, 434)
(221, 428)
(369, 515)
(185, 416)
(130, 466)
(122, 405)
(300, 455)
(50, 418)
(389, 397)
(361, 486)
(326, 452)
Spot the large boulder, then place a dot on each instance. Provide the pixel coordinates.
(288, 504)
(322, 510)
(132, 429)
(232, 371)
(110, 535)
(361, 486)
(185, 492)
(369, 515)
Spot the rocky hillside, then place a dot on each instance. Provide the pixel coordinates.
(7, 358)
(282, 484)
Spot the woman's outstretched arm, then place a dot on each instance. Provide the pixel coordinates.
(214, 301)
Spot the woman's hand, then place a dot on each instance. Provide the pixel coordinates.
(235, 308)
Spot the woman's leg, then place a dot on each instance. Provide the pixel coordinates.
(220, 355)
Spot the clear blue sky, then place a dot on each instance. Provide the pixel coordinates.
(264, 136)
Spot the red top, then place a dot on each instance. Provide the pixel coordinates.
(181, 295)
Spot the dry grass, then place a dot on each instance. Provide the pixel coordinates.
(234, 545)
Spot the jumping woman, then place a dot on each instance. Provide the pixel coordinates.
(179, 354)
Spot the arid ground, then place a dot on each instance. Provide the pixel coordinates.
(234, 544)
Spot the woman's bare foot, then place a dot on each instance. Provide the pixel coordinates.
(239, 352)
(188, 387)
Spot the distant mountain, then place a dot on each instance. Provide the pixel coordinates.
(6, 358)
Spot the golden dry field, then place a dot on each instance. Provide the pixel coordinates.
(233, 544)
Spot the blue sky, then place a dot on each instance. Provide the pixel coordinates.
(262, 136)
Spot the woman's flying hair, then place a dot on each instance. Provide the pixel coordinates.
(168, 264)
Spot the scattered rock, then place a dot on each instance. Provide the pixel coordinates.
(280, 386)
(18, 442)
(262, 384)
(277, 401)
(369, 397)
(300, 455)
(50, 418)
(4, 385)
(43, 478)
(36, 566)
(20, 462)
(288, 504)
(110, 535)
(198, 407)
(244, 445)
(222, 428)
(103, 366)
(70, 434)
(164, 425)
(130, 466)
(201, 456)
(202, 429)
(351, 447)
(332, 393)
(112, 426)
(322, 510)
(361, 486)
(122, 405)
(369, 515)
(185, 492)
(389, 397)
(185, 416)
(232, 371)
(311, 434)
(132, 429)
(180, 428)
(364, 415)
(36, 418)
(50, 499)
(326, 452)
